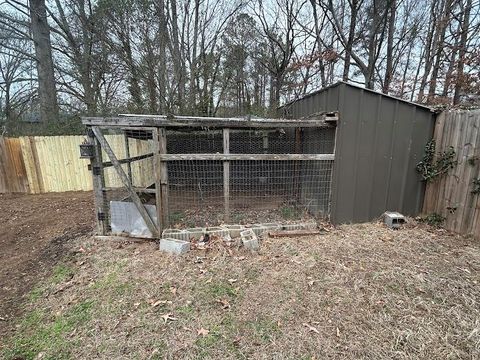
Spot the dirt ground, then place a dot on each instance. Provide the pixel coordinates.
(34, 232)
(356, 292)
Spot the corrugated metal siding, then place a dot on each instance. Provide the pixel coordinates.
(379, 142)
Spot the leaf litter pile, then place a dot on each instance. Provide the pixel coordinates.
(358, 291)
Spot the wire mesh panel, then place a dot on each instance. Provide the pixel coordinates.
(193, 176)
(133, 149)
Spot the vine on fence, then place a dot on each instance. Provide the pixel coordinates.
(431, 166)
(476, 186)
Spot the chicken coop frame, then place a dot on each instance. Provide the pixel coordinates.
(251, 154)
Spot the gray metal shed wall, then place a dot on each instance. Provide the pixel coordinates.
(379, 142)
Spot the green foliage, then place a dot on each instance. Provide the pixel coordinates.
(433, 219)
(38, 333)
(61, 273)
(434, 165)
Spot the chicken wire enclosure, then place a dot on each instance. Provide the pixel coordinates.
(153, 172)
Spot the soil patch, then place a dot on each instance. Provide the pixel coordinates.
(34, 231)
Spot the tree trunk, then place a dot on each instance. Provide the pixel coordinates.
(463, 51)
(443, 24)
(178, 61)
(391, 31)
(351, 37)
(47, 92)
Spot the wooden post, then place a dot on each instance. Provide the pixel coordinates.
(127, 156)
(124, 178)
(226, 174)
(96, 165)
(161, 178)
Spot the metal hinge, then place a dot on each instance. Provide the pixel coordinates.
(97, 170)
(101, 216)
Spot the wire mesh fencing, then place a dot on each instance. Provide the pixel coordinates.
(209, 184)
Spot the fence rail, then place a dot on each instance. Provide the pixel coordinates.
(40, 164)
(453, 196)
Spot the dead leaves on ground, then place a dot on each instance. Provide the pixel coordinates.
(168, 317)
(202, 332)
(224, 302)
(311, 328)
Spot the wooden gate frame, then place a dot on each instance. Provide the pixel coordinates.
(158, 125)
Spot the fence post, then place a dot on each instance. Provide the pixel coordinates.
(98, 177)
(161, 178)
(226, 173)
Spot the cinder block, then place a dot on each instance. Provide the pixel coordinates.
(394, 219)
(195, 233)
(259, 229)
(176, 234)
(299, 226)
(174, 246)
(250, 240)
(234, 230)
(217, 230)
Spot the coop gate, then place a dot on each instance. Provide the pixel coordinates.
(153, 172)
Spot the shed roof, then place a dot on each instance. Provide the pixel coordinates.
(338, 83)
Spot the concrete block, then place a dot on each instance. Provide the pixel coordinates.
(299, 226)
(217, 230)
(259, 229)
(394, 219)
(234, 230)
(174, 246)
(195, 233)
(176, 234)
(250, 240)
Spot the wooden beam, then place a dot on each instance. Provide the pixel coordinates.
(161, 178)
(98, 179)
(190, 121)
(136, 189)
(124, 178)
(294, 233)
(232, 157)
(122, 238)
(126, 161)
(127, 155)
(226, 173)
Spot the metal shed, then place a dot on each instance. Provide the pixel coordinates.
(380, 139)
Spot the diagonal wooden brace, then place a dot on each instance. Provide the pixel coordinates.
(126, 181)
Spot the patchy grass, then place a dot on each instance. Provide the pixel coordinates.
(360, 291)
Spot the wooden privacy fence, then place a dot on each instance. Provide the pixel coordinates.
(453, 196)
(40, 164)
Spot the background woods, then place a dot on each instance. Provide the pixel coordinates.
(60, 58)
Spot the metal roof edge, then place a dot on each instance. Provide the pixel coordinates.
(338, 83)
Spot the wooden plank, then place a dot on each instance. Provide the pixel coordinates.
(123, 177)
(36, 163)
(157, 168)
(98, 182)
(137, 189)
(226, 173)
(127, 155)
(162, 142)
(123, 238)
(191, 121)
(232, 157)
(293, 233)
(13, 175)
(128, 161)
